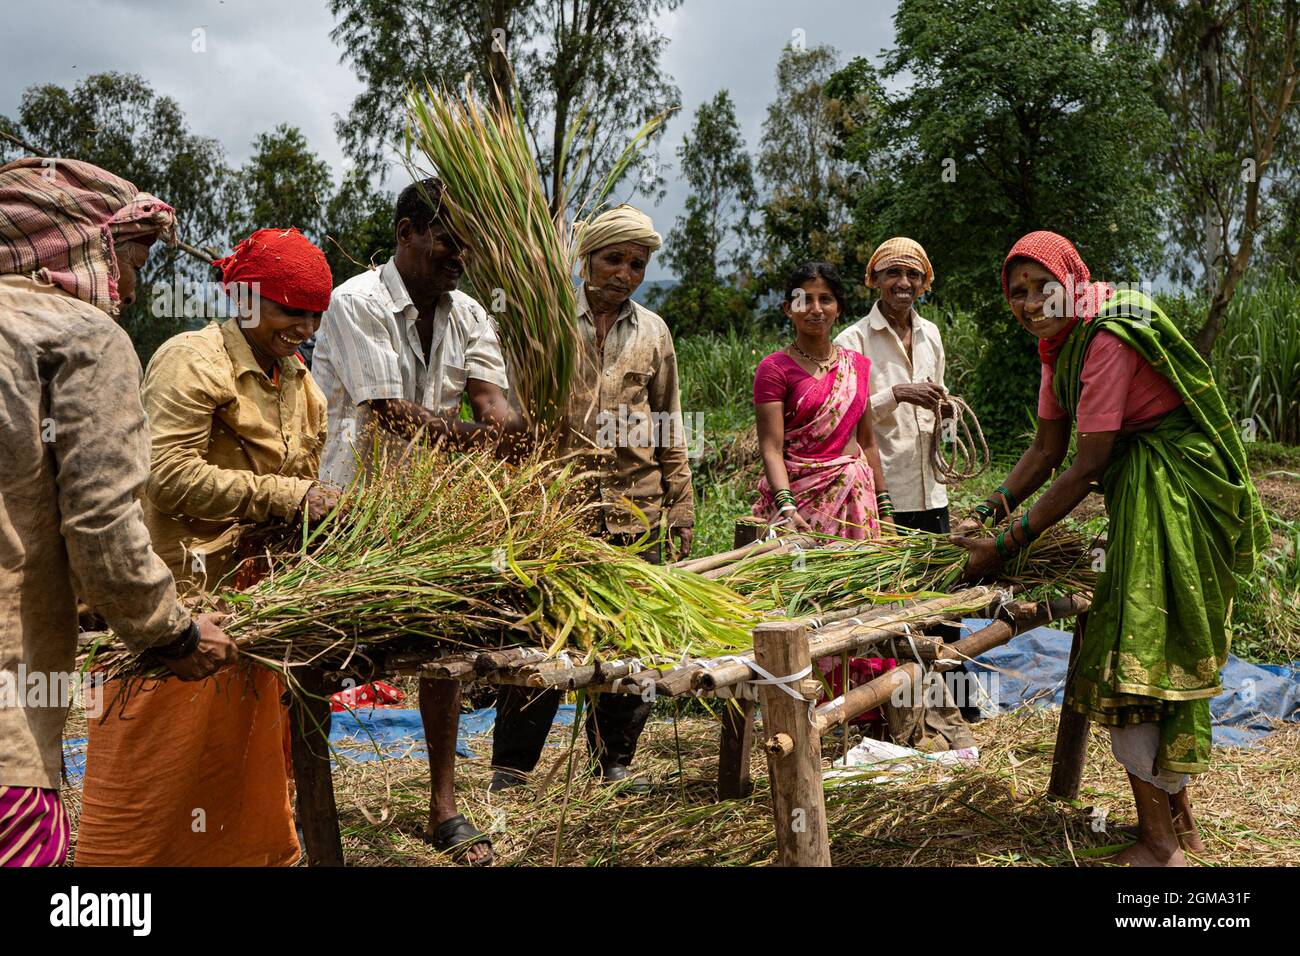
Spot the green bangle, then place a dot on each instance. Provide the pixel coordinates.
(985, 511)
(1029, 534)
(1012, 500)
(1001, 544)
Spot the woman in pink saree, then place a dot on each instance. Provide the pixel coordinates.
(821, 467)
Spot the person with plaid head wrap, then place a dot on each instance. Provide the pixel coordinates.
(75, 462)
(1185, 519)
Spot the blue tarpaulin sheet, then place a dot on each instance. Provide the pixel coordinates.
(1033, 665)
(363, 734)
(397, 732)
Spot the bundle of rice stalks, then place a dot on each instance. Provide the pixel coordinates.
(521, 254)
(893, 567)
(467, 553)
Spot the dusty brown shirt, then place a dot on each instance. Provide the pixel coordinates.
(74, 457)
(230, 447)
(625, 409)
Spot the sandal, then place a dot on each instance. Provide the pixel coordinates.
(457, 836)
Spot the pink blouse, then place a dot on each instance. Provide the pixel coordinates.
(780, 378)
(1120, 389)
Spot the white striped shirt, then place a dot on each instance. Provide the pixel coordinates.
(368, 349)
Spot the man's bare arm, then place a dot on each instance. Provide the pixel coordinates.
(495, 421)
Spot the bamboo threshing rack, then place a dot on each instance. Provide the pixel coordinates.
(773, 674)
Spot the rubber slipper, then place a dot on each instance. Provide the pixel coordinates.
(457, 836)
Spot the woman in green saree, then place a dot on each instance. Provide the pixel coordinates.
(1154, 432)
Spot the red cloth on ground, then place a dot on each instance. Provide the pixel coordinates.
(286, 266)
(1120, 389)
(862, 670)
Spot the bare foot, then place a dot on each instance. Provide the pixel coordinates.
(1180, 805)
(1141, 854)
(1188, 838)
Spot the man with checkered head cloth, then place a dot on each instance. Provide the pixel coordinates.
(907, 390)
(624, 418)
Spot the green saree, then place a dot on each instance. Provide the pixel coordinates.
(1184, 516)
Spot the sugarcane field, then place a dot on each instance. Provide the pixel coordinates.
(639, 436)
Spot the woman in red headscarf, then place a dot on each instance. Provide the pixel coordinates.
(196, 774)
(1154, 432)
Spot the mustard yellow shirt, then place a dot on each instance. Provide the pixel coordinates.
(230, 447)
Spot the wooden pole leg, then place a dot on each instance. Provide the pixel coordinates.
(748, 529)
(794, 748)
(1071, 753)
(317, 813)
(734, 749)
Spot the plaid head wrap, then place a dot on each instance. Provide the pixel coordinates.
(59, 219)
(900, 251)
(621, 224)
(1083, 297)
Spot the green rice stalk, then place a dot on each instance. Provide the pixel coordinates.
(894, 567)
(521, 260)
(465, 553)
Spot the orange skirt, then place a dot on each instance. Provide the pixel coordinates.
(189, 774)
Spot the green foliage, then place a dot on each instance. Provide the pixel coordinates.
(597, 61)
(717, 374)
(707, 246)
(118, 122)
(1266, 612)
(283, 184)
(1257, 363)
(805, 216)
(1212, 57)
(1021, 115)
(360, 222)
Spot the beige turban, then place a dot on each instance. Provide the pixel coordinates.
(900, 251)
(620, 224)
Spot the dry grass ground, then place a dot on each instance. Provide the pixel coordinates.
(996, 814)
(993, 815)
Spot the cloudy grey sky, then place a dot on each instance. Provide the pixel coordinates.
(272, 61)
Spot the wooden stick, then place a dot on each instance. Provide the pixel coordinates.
(309, 744)
(795, 772)
(849, 636)
(23, 144)
(867, 696)
(734, 748)
(1071, 753)
(1025, 617)
(724, 560)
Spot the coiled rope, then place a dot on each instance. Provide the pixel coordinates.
(970, 452)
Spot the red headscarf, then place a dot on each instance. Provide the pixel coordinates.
(287, 267)
(1058, 256)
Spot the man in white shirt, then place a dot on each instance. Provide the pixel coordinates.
(907, 390)
(397, 349)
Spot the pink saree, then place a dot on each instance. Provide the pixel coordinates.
(835, 493)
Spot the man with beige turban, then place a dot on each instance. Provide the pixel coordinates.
(907, 392)
(624, 416)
